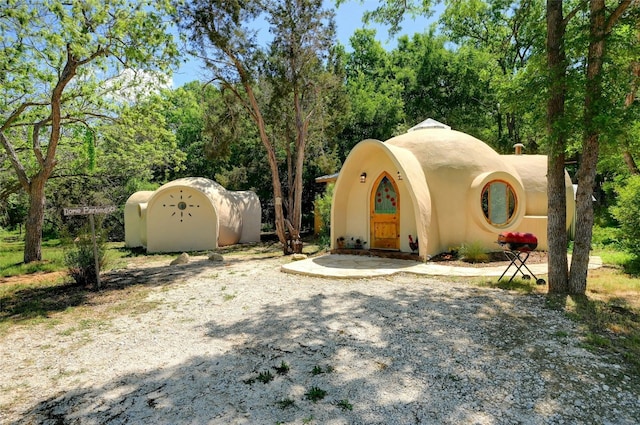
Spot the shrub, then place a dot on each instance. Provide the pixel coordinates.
(80, 261)
(473, 252)
(606, 237)
(323, 209)
(627, 212)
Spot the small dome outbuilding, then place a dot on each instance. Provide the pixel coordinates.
(191, 214)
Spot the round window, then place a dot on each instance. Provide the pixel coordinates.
(498, 203)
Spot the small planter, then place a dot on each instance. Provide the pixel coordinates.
(360, 244)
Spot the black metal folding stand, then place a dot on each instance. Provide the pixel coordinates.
(518, 259)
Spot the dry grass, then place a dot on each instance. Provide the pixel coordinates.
(609, 311)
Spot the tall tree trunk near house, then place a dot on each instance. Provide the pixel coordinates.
(302, 125)
(557, 204)
(35, 220)
(600, 26)
(590, 149)
(584, 217)
(281, 229)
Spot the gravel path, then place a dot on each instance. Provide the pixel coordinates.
(397, 350)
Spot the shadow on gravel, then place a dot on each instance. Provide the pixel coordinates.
(30, 303)
(409, 355)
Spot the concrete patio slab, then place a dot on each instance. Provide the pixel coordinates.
(356, 266)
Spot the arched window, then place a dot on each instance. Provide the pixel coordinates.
(386, 199)
(499, 203)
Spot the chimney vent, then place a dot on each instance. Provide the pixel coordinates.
(518, 147)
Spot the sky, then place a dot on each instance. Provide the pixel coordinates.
(348, 19)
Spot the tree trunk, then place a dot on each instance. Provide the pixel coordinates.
(277, 189)
(301, 145)
(514, 137)
(256, 113)
(35, 220)
(590, 148)
(628, 101)
(556, 225)
(628, 159)
(584, 214)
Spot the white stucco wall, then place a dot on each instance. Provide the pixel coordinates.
(191, 214)
(249, 205)
(133, 221)
(533, 171)
(443, 175)
(171, 229)
(456, 166)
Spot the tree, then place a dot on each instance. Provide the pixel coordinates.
(393, 12)
(289, 76)
(452, 86)
(627, 212)
(374, 92)
(57, 60)
(601, 26)
(508, 33)
(557, 144)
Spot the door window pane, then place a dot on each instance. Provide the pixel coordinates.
(386, 199)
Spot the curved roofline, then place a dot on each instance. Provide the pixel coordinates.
(412, 175)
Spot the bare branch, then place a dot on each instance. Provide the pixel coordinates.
(37, 149)
(615, 15)
(573, 13)
(14, 116)
(13, 158)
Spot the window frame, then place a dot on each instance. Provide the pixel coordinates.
(511, 209)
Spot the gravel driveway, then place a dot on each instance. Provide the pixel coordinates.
(243, 343)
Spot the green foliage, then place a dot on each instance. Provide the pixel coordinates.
(627, 212)
(265, 377)
(323, 210)
(473, 252)
(286, 403)
(283, 369)
(91, 149)
(606, 237)
(80, 260)
(392, 12)
(140, 143)
(315, 394)
(345, 405)
(13, 211)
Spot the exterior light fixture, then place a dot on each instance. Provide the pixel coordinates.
(363, 178)
(399, 176)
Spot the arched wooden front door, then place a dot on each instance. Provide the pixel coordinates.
(385, 213)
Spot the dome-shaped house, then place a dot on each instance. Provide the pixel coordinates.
(191, 214)
(441, 187)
